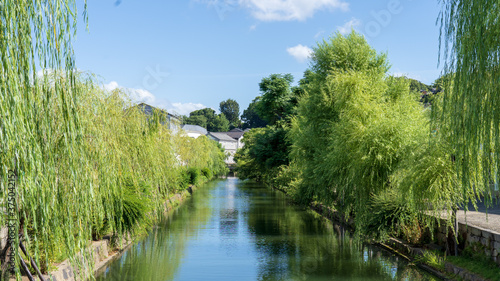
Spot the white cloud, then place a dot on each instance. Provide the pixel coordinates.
(111, 86)
(300, 53)
(184, 108)
(141, 95)
(348, 26)
(137, 95)
(287, 10)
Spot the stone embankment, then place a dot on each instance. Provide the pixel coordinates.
(479, 229)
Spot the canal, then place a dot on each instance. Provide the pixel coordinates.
(238, 230)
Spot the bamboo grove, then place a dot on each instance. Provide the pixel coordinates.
(361, 141)
(88, 162)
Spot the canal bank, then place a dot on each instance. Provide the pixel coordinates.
(106, 250)
(477, 230)
(240, 230)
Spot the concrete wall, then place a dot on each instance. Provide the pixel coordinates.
(229, 145)
(194, 135)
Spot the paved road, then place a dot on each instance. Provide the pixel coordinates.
(487, 218)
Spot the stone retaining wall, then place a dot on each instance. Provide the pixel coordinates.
(487, 240)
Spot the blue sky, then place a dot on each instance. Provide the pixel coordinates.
(186, 55)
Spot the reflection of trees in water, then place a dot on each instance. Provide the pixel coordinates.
(228, 222)
(159, 255)
(291, 244)
(297, 245)
(228, 229)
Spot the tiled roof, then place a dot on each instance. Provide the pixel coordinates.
(235, 135)
(221, 136)
(148, 109)
(194, 128)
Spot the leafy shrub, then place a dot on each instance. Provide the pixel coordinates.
(194, 175)
(390, 214)
(207, 173)
(184, 179)
(134, 206)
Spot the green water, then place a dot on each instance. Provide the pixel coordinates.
(236, 230)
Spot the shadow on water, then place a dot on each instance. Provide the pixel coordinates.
(238, 230)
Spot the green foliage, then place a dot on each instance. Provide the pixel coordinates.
(417, 86)
(388, 211)
(432, 258)
(354, 127)
(135, 205)
(442, 81)
(265, 149)
(218, 124)
(184, 179)
(110, 173)
(350, 53)
(231, 110)
(265, 155)
(285, 178)
(214, 122)
(275, 102)
(199, 120)
(474, 260)
(250, 116)
(38, 35)
(207, 173)
(471, 104)
(194, 175)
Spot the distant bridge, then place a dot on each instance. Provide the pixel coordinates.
(232, 168)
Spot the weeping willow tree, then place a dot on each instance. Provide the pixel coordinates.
(470, 35)
(355, 126)
(113, 177)
(38, 35)
(88, 162)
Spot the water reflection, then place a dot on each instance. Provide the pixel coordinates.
(234, 230)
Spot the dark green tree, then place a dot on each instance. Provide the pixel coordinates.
(218, 124)
(265, 150)
(251, 118)
(275, 102)
(214, 122)
(231, 109)
(207, 112)
(199, 120)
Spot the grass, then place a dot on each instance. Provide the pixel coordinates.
(478, 263)
(472, 260)
(432, 258)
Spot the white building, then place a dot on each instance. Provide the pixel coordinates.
(227, 142)
(237, 134)
(171, 121)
